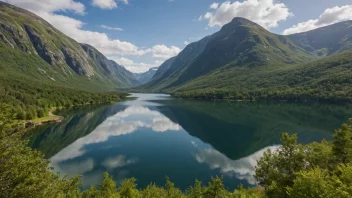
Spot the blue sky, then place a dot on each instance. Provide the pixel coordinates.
(141, 34)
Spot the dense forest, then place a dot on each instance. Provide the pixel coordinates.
(327, 79)
(293, 170)
(31, 99)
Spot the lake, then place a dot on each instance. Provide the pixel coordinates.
(156, 136)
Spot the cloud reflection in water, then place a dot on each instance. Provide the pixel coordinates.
(122, 123)
(243, 168)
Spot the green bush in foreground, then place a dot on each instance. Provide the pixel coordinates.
(293, 170)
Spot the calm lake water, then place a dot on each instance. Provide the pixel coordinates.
(156, 136)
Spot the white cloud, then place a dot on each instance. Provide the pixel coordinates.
(49, 5)
(186, 43)
(73, 27)
(243, 168)
(111, 28)
(133, 66)
(267, 13)
(122, 123)
(124, 1)
(329, 16)
(105, 4)
(162, 124)
(162, 51)
(118, 162)
(214, 6)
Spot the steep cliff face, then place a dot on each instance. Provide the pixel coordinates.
(109, 68)
(25, 36)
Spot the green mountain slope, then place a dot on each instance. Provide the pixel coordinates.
(241, 43)
(33, 49)
(326, 40)
(245, 61)
(111, 70)
(325, 79)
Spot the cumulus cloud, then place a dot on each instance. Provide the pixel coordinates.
(329, 16)
(135, 67)
(214, 6)
(162, 51)
(73, 27)
(119, 161)
(162, 124)
(49, 5)
(111, 28)
(124, 1)
(243, 168)
(105, 4)
(122, 123)
(267, 13)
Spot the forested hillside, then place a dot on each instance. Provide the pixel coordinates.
(327, 79)
(31, 47)
(243, 61)
(41, 68)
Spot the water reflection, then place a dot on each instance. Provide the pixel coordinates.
(125, 122)
(155, 136)
(242, 169)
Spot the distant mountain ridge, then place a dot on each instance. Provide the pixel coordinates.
(239, 43)
(32, 47)
(327, 40)
(145, 77)
(245, 61)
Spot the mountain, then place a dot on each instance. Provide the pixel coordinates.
(240, 43)
(146, 76)
(326, 40)
(32, 49)
(327, 79)
(111, 68)
(245, 61)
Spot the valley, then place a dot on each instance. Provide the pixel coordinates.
(241, 111)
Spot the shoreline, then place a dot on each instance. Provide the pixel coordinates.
(55, 119)
(50, 119)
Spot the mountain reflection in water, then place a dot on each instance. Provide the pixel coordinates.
(156, 136)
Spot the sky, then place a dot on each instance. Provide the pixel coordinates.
(142, 34)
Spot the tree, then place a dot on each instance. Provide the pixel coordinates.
(318, 155)
(195, 191)
(342, 144)
(319, 182)
(172, 192)
(216, 189)
(128, 189)
(108, 187)
(276, 169)
(313, 183)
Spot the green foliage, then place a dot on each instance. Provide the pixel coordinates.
(241, 192)
(313, 170)
(28, 101)
(319, 182)
(342, 144)
(24, 172)
(276, 170)
(327, 79)
(292, 170)
(32, 49)
(196, 191)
